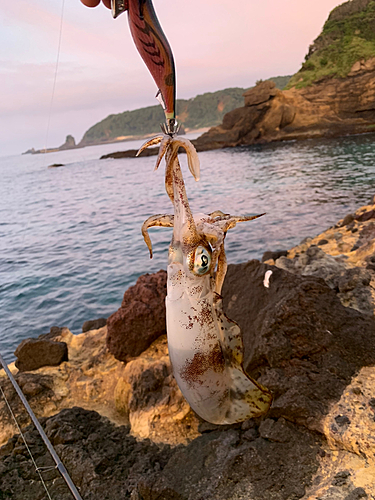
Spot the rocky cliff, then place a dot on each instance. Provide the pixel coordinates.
(332, 94)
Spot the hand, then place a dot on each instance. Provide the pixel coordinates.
(94, 3)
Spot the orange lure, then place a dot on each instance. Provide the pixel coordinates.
(154, 49)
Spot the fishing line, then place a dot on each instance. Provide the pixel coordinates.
(59, 465)
(55, 77)
(27, 447)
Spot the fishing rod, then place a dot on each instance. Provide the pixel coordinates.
(59, 465)
(153, 47)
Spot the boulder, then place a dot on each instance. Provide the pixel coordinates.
(300, 341)
(34, 353)
(93, 324)
(140, 319)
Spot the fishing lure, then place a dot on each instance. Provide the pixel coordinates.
(155, 51)
(205, 347)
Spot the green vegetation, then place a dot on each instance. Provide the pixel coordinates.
(348, 36)
(205, 110)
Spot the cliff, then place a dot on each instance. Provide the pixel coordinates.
(332, 94)
(309, 336)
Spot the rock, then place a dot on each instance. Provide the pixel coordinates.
(34, 353)
(38, 389)
(356, 494)
(55, 165)
(148, 395)
(140, 319)
(355, 290)
(365, 216)
(299, 340)
(69, 143)
(223, 466)
(103, 460)
(314, 262)
(93, 324)
(262, 92)
(348, 219)
(130, 153)
(274, 255)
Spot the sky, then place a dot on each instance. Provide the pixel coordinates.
(216, 44)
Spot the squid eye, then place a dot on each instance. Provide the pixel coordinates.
(202, 261)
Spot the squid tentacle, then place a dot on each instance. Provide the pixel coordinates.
(161, 220)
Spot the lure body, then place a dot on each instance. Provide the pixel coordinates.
(154, 49)
(205, 347)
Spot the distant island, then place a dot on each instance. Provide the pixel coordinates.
(69, 143)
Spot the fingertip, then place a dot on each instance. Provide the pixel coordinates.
(90, 3)
(107, 3)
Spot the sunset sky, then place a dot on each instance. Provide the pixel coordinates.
(216, 44)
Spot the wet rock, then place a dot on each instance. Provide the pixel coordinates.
(140, 319)
(34, 353)
(300, 341)
(93, 324)
(55, 165)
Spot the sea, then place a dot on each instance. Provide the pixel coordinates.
(70, 237)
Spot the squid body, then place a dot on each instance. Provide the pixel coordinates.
(205, 347)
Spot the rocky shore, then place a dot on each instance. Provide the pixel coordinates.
(120, 424)
(330, 108)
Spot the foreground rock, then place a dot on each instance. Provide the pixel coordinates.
(316, 355)
(105, 462)
(140, 319)
(143, 392)
(34, 353)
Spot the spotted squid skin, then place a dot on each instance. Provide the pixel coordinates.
(205, 347)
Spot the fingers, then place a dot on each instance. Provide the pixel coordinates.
(94, 3)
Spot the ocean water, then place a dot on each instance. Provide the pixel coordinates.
(70, 240)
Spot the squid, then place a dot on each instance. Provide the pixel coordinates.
(205, 347)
